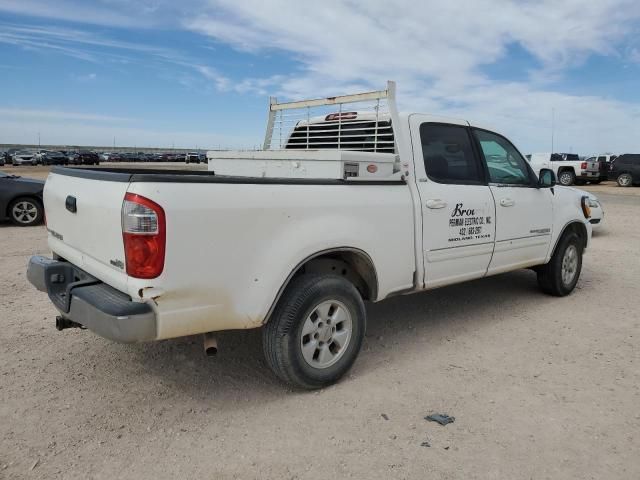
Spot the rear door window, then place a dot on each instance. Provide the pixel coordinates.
(449, 156)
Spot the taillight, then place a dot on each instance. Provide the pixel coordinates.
(144, 235)
(583, 165)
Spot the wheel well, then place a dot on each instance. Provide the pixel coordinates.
(353, 264)
(29, 196)
(566, 169)
(575, 227)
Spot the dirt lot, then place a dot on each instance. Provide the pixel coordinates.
(540, 387)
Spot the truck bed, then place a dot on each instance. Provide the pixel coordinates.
(231, 242)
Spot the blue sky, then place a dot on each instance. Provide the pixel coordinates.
(199, 73)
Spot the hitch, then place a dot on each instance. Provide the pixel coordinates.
(62, 323)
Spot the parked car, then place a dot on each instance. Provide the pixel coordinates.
(194, 157)
(54, 158)
(86, 157)
(568, 167)
(21, 200)
(8, 156)
(39, 154)
(2, 160)
(626, 170)
(604, 164)
(24, 157)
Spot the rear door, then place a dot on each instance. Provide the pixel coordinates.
(524, 214)
(457, 206)
(84, 223)
(635, 167)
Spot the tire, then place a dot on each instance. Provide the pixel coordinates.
(625, 180)
(567, 178)
(554, 277)
(26, 212)
(302, 317)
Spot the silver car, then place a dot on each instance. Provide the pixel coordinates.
(24, 157)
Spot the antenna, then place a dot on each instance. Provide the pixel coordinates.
(553, 117)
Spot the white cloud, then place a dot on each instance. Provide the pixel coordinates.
(55, 115)
(99, 13)
(437, 50)
(79, 128)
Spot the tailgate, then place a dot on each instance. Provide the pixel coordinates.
(91, 236)
(593, 166)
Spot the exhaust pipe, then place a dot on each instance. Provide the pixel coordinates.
(63, 323)
(210, 344)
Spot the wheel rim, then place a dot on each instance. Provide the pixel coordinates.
(565, 178)
(624, 179)
(569, 264)
(326, 334)
(24, 212)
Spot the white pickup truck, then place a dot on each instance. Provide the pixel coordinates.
(357, 205)
(568, 167)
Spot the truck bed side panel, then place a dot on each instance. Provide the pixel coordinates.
(230, 247)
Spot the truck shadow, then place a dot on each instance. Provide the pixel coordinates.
(394, 326)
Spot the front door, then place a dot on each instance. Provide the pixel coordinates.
(524, 214)
(457, 205)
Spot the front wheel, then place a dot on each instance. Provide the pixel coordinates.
(316, 331)
(567, 178)
(625, 180)
(560, 276)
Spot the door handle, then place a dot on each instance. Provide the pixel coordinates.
(507, 202)
(436, 203)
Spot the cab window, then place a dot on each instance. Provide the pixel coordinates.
(505, 164)
(449, 156)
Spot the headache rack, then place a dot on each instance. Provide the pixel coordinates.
(349, 137)
(359, 122)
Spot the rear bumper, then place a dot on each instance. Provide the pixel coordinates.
(584, 174)
(86, 300)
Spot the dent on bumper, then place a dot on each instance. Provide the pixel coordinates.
(91, 303)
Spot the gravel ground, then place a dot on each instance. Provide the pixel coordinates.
(540, 387)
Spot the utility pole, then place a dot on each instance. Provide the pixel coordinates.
(38, 139)
(553, 118)
(114, 142)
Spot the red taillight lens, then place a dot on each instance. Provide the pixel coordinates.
(144, 235)
(583, 165)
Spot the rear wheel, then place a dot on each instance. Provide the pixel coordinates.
(26, 212)
(567, 178)
(316, 331)
(560, 276)
(625, 180)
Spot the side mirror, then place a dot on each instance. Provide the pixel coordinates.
(546, 178)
